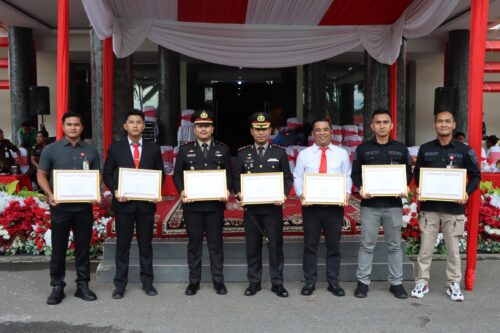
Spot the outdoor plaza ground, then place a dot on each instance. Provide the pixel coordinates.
(24, 288)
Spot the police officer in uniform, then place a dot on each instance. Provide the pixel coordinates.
(42, 140)
(263, 218)
(203, 217)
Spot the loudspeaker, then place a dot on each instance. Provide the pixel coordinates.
(39, 100)
(444, 100)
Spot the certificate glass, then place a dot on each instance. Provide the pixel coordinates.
(205, 185)
(384, 180)
(441, 184)
(76, 185)
(324, 189)
(262, 188)
(139, 184)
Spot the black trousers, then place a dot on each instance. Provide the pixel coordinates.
(144, 225)
(210, 224)
(272, 225)
(328, 219)
(62, 223)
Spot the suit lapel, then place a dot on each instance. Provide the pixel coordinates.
(143, 153)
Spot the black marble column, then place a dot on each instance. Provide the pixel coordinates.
(123, 94)
(401, 91)
(288, 87)
(376, 91)
(346, 104)
(96, 73)
(458, 74)
(315, 91)
(170, 95)
(22, 75)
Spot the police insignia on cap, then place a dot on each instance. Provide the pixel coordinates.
(204, 115)
(261, 117)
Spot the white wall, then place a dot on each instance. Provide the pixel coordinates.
(46, 63)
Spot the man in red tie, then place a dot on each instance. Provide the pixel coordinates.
(322, 157)
(133, 152)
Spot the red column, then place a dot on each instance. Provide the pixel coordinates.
(393, 98)
(479, 20)
(62, 63)
(107, 93)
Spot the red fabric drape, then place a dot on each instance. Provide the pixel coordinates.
(222, 11)
(107, 93)
(393, 98)
(62, 63)
(479, 20)
(362, 12)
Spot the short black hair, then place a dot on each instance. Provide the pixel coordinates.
(459, 134)
(71, 114)
(44, 133)
(25, 123)
(381, 111)
(441, 111)
(317, 120)
(134, 112)
(493, 139)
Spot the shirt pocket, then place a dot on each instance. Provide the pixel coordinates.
(459, 226)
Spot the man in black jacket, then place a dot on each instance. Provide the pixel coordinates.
(203, 217)
(133, 152)
(268, 218)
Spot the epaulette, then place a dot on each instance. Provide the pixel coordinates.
(244, 147)
(221, 143)
(187, 143)
(277, 146)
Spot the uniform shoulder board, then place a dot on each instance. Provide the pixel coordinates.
(187, 143)
(278, 146)
(244, 147)
(221, 143)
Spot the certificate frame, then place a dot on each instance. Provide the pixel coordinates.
(61, 197)
(269, 177)
(154, 195)
(332, 179)
(219, 180)
(391, 170)
(432, 175)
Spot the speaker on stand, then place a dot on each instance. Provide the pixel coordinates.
(39, 102)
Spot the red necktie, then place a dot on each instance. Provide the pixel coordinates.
(322, 164)
(137, 157)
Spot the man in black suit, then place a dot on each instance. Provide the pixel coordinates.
(132, 153)
(203, 217)
(268, 218)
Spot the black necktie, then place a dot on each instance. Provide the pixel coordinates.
(205, 150)
(261, 153)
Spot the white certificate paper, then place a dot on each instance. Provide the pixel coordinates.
(205, 185)
(441, 184)
(384, 180)
(324, 189)
(139, 184)
(262, 188)
(76, 185)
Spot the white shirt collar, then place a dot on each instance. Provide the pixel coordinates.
(130, 141)
(319, 148)
(209, 143)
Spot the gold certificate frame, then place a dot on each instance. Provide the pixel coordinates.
(384, 180)
(205, 185)
(262, 188)
(76, 186)
(139, 184)
(442, 184)
(324, 189)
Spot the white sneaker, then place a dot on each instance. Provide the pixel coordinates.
(420, 290)
(454, 292)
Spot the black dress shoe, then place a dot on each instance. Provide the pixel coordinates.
(308, 289)
(85, 293)
(279, 290)
(150, 290)
(192, 288)
(336, 289)
(361, 290)
(252, 289)
(56, 296)
(398, 291)
(220, 288)
(118, 293)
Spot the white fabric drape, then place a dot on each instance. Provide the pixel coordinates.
(291, 42)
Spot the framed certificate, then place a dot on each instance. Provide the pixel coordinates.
(262, 188)
(139, 184)
(442, 184)
(205, 185)
(324, 189)
(384, 180)
(76, 185)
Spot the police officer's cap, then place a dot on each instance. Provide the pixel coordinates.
(203, 117)
(260, 120)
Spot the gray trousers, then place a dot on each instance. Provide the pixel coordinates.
(391, 220)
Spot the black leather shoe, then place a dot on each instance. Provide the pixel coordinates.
(192, 288)
(361, 290)
(252, 289)
(336, 290)
(308, 289)
(118, 293)
(279, 290)
(56, 296)
(150, 290)
(220, 288)
(398, 291)
(85, 293)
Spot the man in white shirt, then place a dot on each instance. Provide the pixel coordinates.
(322, 157)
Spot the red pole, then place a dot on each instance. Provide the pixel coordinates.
(478, 27)
(393, 98)
(107, 92)
(62, 63)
